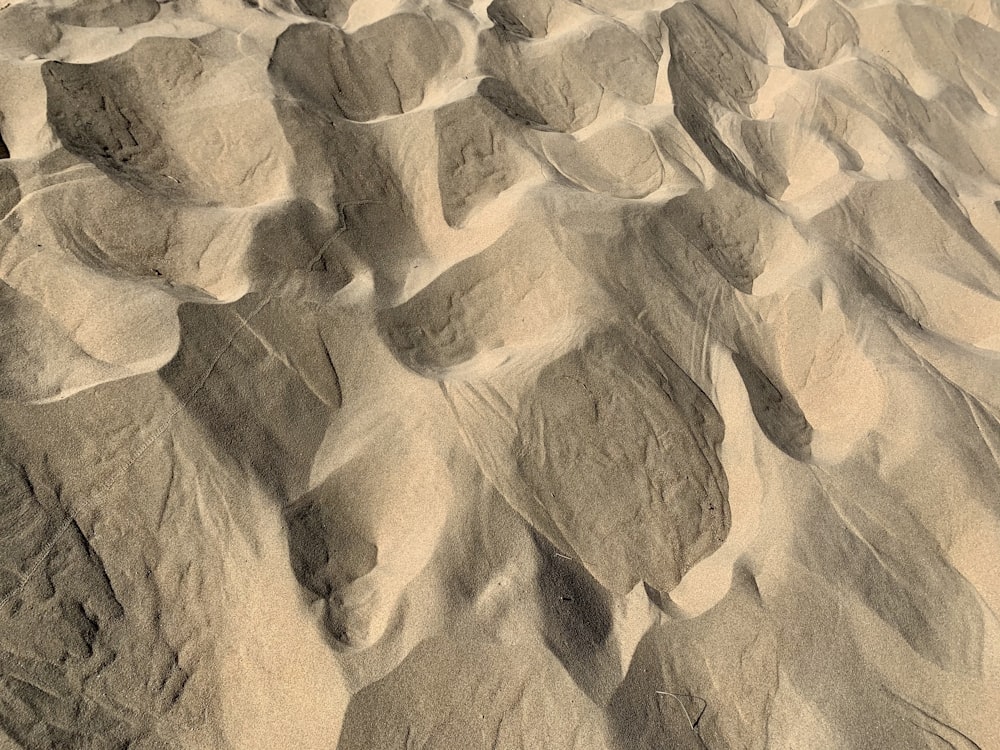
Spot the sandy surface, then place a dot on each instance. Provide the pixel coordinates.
(525, 374)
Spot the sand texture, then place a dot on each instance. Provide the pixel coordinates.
(499, 375)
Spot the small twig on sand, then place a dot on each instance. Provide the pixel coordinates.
(564, 557)
(677, 697)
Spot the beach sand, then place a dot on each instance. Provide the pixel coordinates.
(511, 374)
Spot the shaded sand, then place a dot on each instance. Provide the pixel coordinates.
(509, 374)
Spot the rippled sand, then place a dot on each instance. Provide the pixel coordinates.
(525, 374)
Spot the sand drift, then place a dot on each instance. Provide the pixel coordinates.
(525, 374)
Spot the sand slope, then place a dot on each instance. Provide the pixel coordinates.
(499, 374)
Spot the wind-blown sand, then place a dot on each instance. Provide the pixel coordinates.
(525, 374)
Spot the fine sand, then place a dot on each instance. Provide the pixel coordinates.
(510, 374)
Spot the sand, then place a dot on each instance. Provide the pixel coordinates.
(511, 374)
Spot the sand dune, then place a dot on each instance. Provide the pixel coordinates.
(509, 374)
